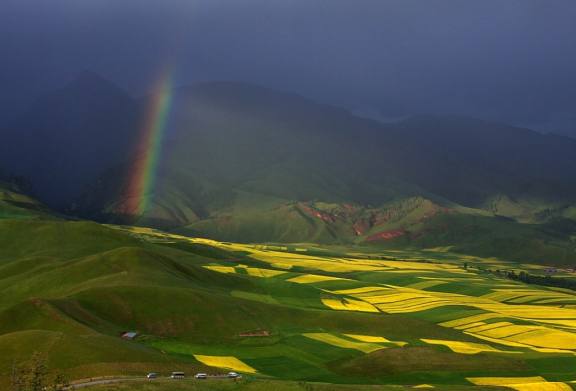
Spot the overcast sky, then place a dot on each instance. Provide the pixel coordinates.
(506, 60)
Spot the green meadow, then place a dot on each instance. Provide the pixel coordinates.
(262, 385)
(298, 317)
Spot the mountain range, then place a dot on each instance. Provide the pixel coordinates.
(245, 163)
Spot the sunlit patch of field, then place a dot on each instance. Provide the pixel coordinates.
(221, 269)
(375, 339)
(347, 304)
(532, 296)
(263, 273)
(226, 362)
(359, 291)
(411, 265)
(469, 320)
(251, 271)
(311, 278)
(548, 386)
(508, 333)
(333, 265)
(281, 265)
(506, 342)
(465, 347)
(334, 340)
(535, 383)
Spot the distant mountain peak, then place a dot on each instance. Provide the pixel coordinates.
(89, 75)
(91, 82)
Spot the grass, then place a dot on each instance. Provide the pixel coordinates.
(260, 385)
(254, 218)
(332, 315)
(16, 205)
(415, 360)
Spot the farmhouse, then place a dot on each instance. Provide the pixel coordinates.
(130, 335)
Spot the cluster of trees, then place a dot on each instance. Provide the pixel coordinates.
(546, 280)
(34, 375)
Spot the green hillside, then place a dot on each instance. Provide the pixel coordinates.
(300, 312)
(261, 385)
(245, 163)
(415, 222)
(16, 205)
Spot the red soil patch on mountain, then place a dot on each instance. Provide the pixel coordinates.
(324, 216)
(386, 235)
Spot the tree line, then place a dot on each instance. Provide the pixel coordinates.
(545, 280)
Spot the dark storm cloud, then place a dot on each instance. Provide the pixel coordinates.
(512, 60)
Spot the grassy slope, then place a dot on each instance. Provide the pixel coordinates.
(263, 385)
(422, 224)
(240, 158)
(489, 237)
(78, 285)
(16, 205)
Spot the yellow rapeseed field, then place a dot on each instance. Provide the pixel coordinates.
(357, 292)
(367, 338)
(486, 326)
(311, 278)
(497, 381)
(464, 347)
(346, 304)
(376, 339)
(406, 265)
(251, 271)
(221, 269)
(227, 362)
(522, 296)
(535, 383)
(323, 264)
(343, 343)
(546, 338)
(257, 272)
(469, 320)
(548, 386)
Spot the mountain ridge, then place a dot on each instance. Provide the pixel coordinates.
(243, 158)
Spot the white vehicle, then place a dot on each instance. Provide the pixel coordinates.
(201, 376)
(233, 375)
(177, 375)
(152, 375)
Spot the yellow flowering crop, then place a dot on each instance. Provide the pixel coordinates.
(346, 304)
(227, 362)
(464, 347)
(343, 343)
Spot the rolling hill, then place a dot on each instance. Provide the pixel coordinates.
(14, 204)
(244, 163)
(298, 313)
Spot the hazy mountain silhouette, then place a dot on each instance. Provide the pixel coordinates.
(68, 137)
(243, 162)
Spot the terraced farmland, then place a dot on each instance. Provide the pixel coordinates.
(525, 328)
(293, 313)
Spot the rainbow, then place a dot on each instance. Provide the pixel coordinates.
(143, 173)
